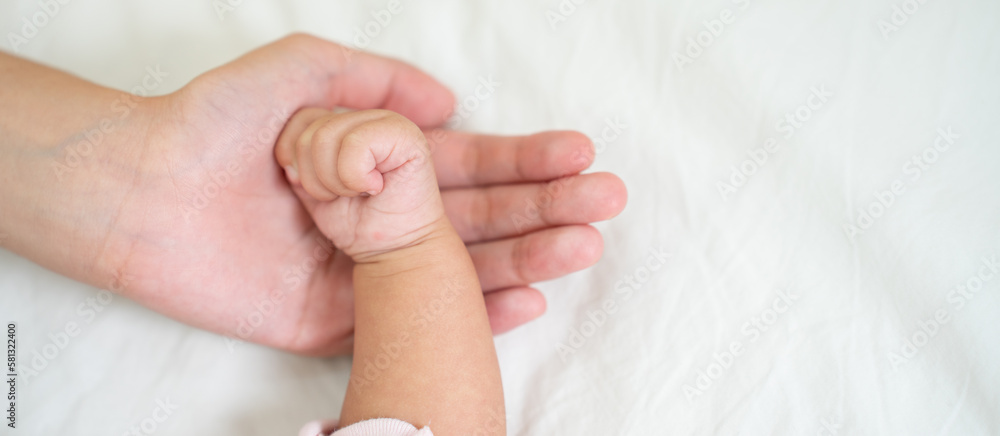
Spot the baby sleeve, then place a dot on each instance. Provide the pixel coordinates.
(371, 427)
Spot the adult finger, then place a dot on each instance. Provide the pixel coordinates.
(494, 212)
(536, 257)
(305, 71)
(513, 307)
(466, 159)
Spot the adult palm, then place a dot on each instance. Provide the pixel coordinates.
(212, 235)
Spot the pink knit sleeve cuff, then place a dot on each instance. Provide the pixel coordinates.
(371, 427)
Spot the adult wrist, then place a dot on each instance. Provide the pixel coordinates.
(71, 167)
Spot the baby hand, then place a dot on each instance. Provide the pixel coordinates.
(367, 176)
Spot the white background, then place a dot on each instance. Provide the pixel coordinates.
(823, 364)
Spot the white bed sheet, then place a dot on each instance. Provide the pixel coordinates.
(774, 248)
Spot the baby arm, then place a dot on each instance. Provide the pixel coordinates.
(423, 349)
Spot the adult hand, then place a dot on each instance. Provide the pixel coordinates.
(183, 208)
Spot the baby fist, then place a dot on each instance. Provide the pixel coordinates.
(366, 177)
